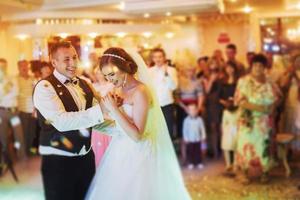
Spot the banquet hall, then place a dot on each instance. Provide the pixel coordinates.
(232, 110)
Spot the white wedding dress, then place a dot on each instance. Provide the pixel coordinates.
(143, 170)
(128, 171)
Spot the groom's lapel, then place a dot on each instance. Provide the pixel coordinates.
(64, 94)
(88, 93)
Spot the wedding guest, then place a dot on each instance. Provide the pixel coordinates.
(296, 141)
(25, 105)
(193, 135)
(9, 120)
(35, 66)
(213, 111)
(218, 56)
(231, 51)
(290, 84)
(255, 98)
(166, 82)
(202, 68)
(249, 57)
(46, 69)
(229, 115)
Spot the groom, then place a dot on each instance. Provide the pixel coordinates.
(66, 110)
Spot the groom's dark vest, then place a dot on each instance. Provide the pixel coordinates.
(71, 141)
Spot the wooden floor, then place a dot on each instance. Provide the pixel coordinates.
(207, 183)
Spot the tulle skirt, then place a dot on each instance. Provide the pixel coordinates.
(129, 171)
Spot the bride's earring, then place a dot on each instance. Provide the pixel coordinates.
(124, 82)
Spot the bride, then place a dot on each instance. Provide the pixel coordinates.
(140, 162)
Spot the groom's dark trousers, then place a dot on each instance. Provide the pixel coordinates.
(67, 178)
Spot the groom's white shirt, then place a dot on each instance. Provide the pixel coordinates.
(50, 106)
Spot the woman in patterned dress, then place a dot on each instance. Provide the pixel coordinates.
(255, 98)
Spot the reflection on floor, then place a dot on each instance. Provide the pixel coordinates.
(207, 183)
(30, 182)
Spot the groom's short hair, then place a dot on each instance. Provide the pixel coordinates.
(59, 45)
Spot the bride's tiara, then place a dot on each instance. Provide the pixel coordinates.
(113, 55)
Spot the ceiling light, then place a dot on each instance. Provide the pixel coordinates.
(38, 21)
(147, 34)
(169, 35)
(63, 35)
(247, 9)
(93, 35)
(146, 15)
(168, 14)
(121, 34)
(22, 36)
(122, 5)
(146, 45)
(262, 22)
(90, 42)
(87, 21)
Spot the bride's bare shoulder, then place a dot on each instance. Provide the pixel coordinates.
(141, 92)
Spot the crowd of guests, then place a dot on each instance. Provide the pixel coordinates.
(219, 107)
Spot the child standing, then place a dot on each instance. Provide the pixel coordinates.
(193, 135)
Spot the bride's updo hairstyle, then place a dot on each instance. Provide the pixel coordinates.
(120, 58)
